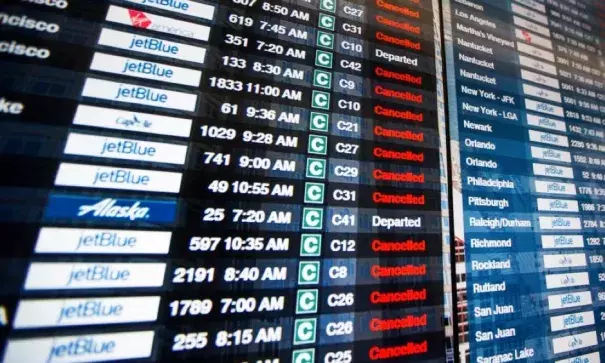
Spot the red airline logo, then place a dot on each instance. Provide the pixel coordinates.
(139, 19)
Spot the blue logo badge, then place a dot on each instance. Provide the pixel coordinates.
(81, 208)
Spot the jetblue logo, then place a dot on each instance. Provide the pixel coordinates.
(110, 147)
(89, 309)
(88, 176)
(140, 93)
(144, 69)
(563, 241)
(127, 147)
(573, 319)
(98, 273)
(553, 170)
(153, 44)
(558, 204)
(148, 68)
(188, 7)
(80, 347)
(545, 107)
(176, 4)
(570, 299)
(106, 239)
(549, 153)
(556, 187)
(109, 209)
(121, 176)
(561, 222)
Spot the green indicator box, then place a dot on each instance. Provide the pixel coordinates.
(325, 40)
(316, 168)
(307, 301)
(314, 193)
(327, 22)
(324, 59)
(312, 218)
(308, 272)
(322, 79)
(319, 121)
(320, 99)
(328, 5)
(310, 245)
(303, 356)
(318, 144)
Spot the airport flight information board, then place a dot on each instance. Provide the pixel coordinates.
(222, 181)
(526, 109)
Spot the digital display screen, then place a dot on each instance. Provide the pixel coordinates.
(302, 181)
(224, 181)
(526, 113)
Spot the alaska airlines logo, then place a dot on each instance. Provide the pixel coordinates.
(110, 209)
(566, 260)
(133, 121)
(575, 342)
(107, 208)
(568, 280)
(139, 19)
